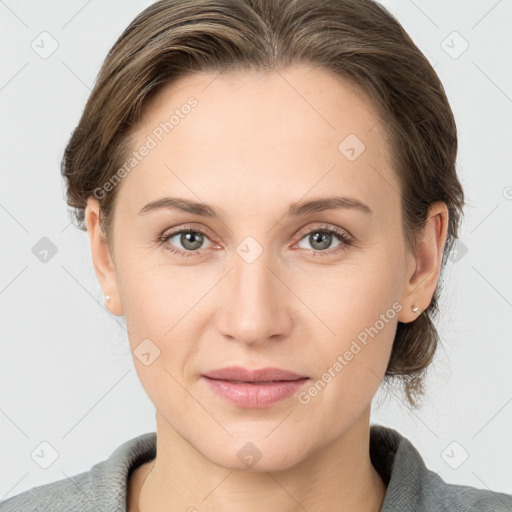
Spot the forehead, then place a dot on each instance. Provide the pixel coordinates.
(272, 102)
(261, 135)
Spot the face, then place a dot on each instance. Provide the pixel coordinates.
(262, 280)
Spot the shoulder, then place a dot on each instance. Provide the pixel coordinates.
(101, 489)
(72, 493)
(462, 498)
(411, 485)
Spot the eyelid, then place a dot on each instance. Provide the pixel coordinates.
(187, 228)
(324, 227)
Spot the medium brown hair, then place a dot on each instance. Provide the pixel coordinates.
(357, 40)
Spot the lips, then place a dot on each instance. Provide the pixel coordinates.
(257, 389)
(262, 375)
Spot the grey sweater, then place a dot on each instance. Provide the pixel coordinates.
(411, 486)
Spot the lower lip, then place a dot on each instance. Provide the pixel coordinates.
(256, 396)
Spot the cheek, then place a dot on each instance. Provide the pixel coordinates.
(154, 294)
(159, 303)
(355, 314)
(158, 319)
(344, 300)
(351, 366)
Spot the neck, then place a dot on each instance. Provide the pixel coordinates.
(340, 476)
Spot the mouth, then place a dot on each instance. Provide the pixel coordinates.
(254, 388)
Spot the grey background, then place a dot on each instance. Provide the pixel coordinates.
(67, 376)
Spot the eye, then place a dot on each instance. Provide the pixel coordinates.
(190, 240)
(322, 237)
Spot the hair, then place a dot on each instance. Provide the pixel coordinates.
(359, 41)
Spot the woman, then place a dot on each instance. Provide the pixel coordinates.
(270, 193)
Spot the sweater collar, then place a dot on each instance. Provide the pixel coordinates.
(400, 466)
(393, 456)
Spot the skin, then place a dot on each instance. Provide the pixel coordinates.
(252, 146)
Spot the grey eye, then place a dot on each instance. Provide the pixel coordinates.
(189, 240)
(319, 240)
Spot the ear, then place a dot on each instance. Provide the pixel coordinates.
(425, 267)
(102, 259)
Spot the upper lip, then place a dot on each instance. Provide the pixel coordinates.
(241, 374)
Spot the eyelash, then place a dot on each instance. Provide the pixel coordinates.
(346, 241)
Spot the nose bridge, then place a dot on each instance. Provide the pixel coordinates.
(253, 308)
(253, 279)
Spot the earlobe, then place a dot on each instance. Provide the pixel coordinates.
(421, 283)
(104, 267)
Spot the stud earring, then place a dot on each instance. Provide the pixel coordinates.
(107, 297)
(414, 308)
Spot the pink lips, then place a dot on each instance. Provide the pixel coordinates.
(254, 388)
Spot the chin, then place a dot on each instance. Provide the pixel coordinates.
(257, 454)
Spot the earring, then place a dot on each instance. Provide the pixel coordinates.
(414, 308)
(107, 297)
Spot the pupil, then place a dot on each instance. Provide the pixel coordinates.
(324, 241)
(194, 238)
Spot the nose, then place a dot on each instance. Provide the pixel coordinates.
(255, 303)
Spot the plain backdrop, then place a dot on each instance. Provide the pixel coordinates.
(67, 376)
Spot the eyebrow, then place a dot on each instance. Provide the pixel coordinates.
(295, 210)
